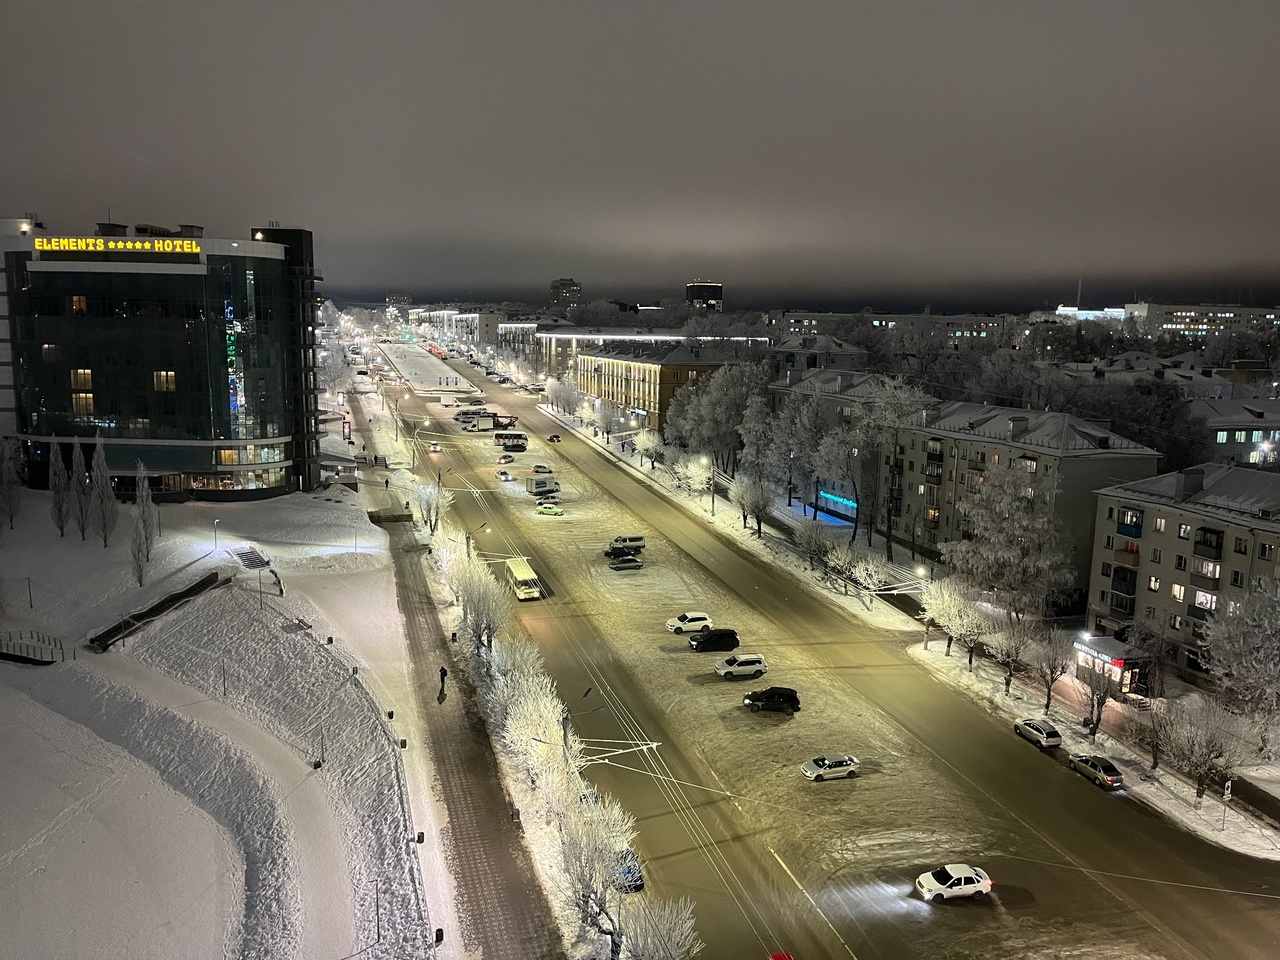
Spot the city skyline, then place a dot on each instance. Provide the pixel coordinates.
(812, 157)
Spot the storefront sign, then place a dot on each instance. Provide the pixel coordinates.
(109, 244)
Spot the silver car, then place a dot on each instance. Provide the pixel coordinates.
(1040, 732)
(742, 665)
(830, 766)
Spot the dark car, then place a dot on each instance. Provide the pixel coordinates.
(617, 553)
(554, 438)
(475, 403)
(514, 447)
(773, 698)
(721, 639)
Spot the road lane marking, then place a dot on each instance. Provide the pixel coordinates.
(801, 888)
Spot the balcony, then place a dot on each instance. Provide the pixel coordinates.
(1208, 544)
(1127, 558)
(1122, 607)
(1124, 582)
(1133, 532)
(1198, 613)
(978, 465)
(1204, 582)
(933, 456)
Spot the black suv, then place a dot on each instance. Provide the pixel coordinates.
(773, 698)
(714, 640)
(617, 553)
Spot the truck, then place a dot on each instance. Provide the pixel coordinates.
(522, 580)
(479, 423)
(541, 483)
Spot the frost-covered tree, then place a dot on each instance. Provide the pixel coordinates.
(1017, 548)
(705, 413)
(649, 444)
(138, 545)
(487, 608)
(951, 605)
(814, 542)
(104, 509)
(146, 508)
(760, 453)
(80, 502)
(1244, 643)
(696, 472)
(799, 431)
(1205, 739)
(870, 570)
(1051, 656)
(1008, 647)
(840, 457)
(60, 504)
(659, 929)
(10, 479)
(594, 839)
(748, 493)
(1099, 688)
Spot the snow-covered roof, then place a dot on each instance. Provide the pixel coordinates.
(1222, 413)
(660, 353)
(1234, 494)
(1035, 430)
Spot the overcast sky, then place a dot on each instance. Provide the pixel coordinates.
(805, 154)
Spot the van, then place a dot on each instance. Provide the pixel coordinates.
(632, 543)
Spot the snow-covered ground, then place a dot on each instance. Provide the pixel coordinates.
(166, 791)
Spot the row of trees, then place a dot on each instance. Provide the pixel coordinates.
(532, 723)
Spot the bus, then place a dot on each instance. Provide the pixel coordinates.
(524, 582)
(501, 438)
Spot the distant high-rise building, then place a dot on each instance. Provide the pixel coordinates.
(705, 295)
(566, 293)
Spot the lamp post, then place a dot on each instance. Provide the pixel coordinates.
(30, 604)
(482, 526)
(791, 460)
(215, 533)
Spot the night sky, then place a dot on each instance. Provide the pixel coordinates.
(807, 155)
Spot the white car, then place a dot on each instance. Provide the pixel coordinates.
(503, 475)
(693, 620)
(742, 665)
(1040, 732)
(953, 880)
(541, 468)
(830, 766)
(549, 500)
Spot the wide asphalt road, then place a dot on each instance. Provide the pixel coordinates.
(1075, 867)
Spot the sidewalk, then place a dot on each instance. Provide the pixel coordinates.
(501, 907)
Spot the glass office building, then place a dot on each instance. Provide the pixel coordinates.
(195, 356)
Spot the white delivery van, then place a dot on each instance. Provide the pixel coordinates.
(524, 582)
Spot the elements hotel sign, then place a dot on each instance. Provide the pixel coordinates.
(109, 244)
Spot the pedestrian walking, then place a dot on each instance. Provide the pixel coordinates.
(444, 674)
(387, 483)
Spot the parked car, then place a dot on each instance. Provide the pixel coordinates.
(693, 620)
(830, 766)
(953, 880)
(503, 475)
(549, 498)
(783, 699)
(614, 553)
(554, 438)
(720, 640)
(506, 458)
(626, 563)
(549, 510)
(504, 379)
(474, 402)
(541, 468)
(743, 665)
(628, 876)
(514, 447)
(1098, 769)
(1040, 732)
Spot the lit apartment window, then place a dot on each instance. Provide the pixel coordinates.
(79, 304)
(1266, 551)
(1206, 601)
(1184, 531)
(1159, 524)
(82, 403)
(48, 352)
(1153, 584)
(228, 456)
(1179, 592)
(165, 381)
(82, 379)
(1175, 621)
(1222, 436)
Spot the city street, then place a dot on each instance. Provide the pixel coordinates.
(773, 861)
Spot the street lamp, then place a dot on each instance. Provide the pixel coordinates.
(711, 483)
(484, 526)
(215, 533)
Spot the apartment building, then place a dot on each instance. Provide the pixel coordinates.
(641, 380)
(937, 463)
(1171, 551)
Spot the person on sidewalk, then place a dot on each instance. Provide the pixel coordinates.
(444, 674)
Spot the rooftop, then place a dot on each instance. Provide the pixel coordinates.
(1061, 433)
